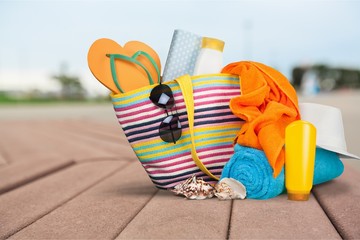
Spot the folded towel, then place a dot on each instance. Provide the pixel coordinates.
(268, 103)
(251, 167)
(327, 166)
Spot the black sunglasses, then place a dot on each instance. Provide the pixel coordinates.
(170, 127)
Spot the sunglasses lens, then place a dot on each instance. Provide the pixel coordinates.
(170, 129)
(162, 96)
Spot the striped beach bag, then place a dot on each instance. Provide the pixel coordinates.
(182, 127)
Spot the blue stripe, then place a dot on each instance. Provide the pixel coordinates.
(183, 137)
(161, 150)
(184, 145)
(122, 98)
(143, 100)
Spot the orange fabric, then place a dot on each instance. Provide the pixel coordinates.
(268, 103)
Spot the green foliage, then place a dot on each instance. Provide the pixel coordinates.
(71, 87)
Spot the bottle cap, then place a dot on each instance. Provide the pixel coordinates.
(213, 43)
(298, 196)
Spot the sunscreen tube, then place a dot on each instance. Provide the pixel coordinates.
(300, 147)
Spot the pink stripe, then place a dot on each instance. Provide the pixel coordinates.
(215, 154)
(147, 166)
(217, 95)
(224, 118)
(159, 171)
(219, 111)
(217, 101)
(216, 172)
(217, 88)
(160, 114)
(203, 158)
(120, 108)
(174, 171)
(144, 108)
(165, 159)
(199, 90)
(205, 125)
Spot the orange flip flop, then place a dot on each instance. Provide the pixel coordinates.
(134, 46)
(122, 69)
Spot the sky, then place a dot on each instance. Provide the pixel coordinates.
(38, 37)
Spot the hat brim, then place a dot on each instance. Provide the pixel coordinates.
(341, 152)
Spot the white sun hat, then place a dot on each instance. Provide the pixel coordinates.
(329, 127)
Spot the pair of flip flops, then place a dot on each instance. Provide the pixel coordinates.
(123, 69)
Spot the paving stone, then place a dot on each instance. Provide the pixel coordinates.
(279, 218)
(19, 173)
(100, 212)
(168, 216)
(25, 205)
(340, 199)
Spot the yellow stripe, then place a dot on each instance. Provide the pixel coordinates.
(140, 97)
(172, 151)
(218, 127)
(215, 75)
(157, 141)
(186, 136)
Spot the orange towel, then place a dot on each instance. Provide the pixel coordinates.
(268, 103)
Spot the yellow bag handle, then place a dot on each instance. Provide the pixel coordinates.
(186, 87)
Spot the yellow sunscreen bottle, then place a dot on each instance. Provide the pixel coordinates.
(300, 147)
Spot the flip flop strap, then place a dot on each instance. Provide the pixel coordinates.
(133, 60)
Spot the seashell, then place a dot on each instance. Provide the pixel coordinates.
(194, 188)
(229, 188)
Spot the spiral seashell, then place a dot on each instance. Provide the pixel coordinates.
(194, 188)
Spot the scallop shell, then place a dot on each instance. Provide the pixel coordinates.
(229, 188)
(194, 188)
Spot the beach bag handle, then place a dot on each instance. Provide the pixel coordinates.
(186, 87)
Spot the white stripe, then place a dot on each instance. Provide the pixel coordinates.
(142, 114)
(221, 91)
(157, 118)
(189, 163)
(170, 175)
(141, 107)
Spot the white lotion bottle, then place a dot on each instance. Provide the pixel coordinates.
(210, 58)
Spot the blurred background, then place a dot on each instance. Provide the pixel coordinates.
(44, 45)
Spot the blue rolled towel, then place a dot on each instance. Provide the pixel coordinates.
(251, 167)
